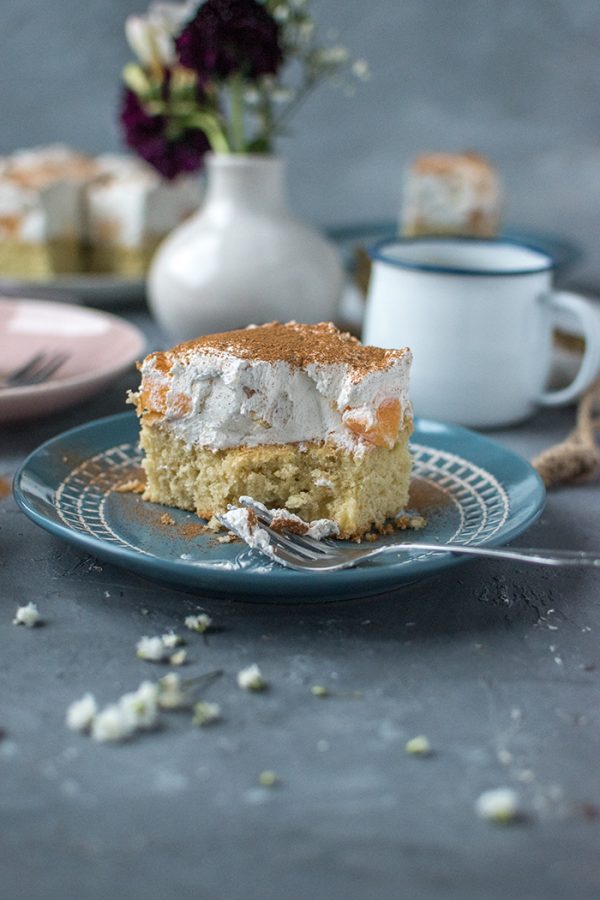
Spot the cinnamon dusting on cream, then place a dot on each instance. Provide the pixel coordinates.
(295, 343)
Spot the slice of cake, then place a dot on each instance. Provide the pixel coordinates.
(451, 194)
(41, 211)
(129, 209)
(302, 417)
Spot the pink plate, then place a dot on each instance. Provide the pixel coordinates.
(100, 347)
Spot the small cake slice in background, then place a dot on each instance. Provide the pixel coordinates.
(41, 211)
(451, 194)
(129, 209)
(301, 417)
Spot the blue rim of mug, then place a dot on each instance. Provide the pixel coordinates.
(377, 253)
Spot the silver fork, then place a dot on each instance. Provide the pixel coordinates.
(36, 370)
(307, 554)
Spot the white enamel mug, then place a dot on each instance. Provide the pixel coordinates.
(479, 317)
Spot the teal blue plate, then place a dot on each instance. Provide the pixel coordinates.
(469, 488)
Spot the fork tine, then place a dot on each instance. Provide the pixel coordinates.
(51, 366)
(291, 544)
(319, 564)
(29, 366)
(36, 370)
(265, 517)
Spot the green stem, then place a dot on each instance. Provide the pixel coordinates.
(211, 127)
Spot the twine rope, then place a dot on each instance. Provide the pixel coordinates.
(576, 459)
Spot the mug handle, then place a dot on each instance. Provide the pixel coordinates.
(589, 319)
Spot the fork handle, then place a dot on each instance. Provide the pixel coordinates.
(518, 554)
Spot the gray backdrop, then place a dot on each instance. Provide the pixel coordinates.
(516, 79)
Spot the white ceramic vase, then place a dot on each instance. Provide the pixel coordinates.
(242, 258)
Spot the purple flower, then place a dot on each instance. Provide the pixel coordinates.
(228, 37)
(150, 137)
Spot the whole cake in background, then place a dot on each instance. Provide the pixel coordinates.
(62, 212)
(301, 417)
(451, 194)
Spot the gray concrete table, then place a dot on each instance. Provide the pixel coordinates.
(496, 663)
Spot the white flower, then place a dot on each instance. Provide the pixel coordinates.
(332, 56)
(498, 805)
(179, 658)
(250, 679)
(136, 79)
(206, 713)
(151, 649)
(267, 83)
(172, 640)
(281, 13)
(252, 96)
(360, 68)
(200, 623)
(81, 713)
(172, 16)
(27, 615)
(141, 706)
(149, 44)
(170, 693)
(418, 746)
(283, 95)
(319, 690)
(151, 37)
(112, 724)
(268, 778)
(306, 31)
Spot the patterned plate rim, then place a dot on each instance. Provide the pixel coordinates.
(211, 576)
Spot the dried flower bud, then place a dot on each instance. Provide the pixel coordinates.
(250, 679)
(206, 713)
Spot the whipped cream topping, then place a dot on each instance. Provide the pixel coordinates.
(216, 399)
